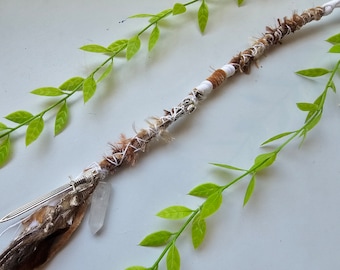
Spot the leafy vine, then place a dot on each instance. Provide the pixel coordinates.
(34, 123)
(213, 193)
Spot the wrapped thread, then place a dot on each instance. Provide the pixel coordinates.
(126, 150)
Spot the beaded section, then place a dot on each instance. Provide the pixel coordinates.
(126, 150)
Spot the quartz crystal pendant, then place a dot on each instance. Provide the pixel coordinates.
(99, 204)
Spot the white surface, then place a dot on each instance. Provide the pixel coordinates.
(292, 221)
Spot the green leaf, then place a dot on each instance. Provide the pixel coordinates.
(249, 190)
(334, 39)
(276, 137)
(203, 15)
(106, 72)
(142, 15)
(212, 204)
(204, 190)
(48, 91)
(19, 116)
(335, 49)
(309, 115)
(154, 36)
(156, 239)
(332, 86)
(178, 9)
(226, 166)
(136, 268)
(72, 84)
(263, 161)
(313, 122)
(133, 47)
(95, 48)
(160, 15)
(307, 107)
(34, 130)
(61, 119)
(318, 100)
(313, 72)
(118, 45)
(89, 88)
(303, 135)
(5, 150)
(173, 259)
(175, 212)
(3, 126)
(240, 2)
(198, 231)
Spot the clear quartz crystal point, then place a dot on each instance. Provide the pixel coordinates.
(99, 204)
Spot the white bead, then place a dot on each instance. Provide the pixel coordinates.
(205, 87)
(99, 204)
(229, 69)
(330, 6)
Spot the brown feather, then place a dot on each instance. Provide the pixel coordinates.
(37, 244)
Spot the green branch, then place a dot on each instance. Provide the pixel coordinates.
(87, 86)
(213, 193)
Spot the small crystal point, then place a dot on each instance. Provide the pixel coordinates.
(99, 204)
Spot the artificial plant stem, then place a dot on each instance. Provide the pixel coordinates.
(41, 114)
(162, 17)
(175, 237)
(68, 95)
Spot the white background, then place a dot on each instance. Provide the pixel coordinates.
(292, 220)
